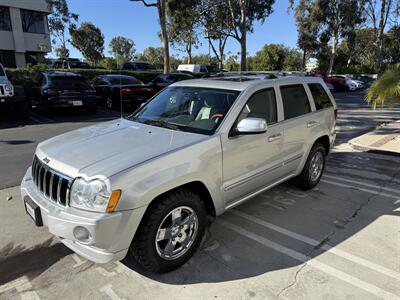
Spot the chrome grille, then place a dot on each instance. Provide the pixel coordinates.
(53, 185)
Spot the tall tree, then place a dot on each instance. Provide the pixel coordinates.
(377, 13)
(307, 28)
(122, 47)
(89, 40)
(184, 23)
(242, 15)
(161, 6)
(214, 15)
(154, 56)
(338, 18)
(60, 19)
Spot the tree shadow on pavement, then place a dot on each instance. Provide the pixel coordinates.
(17, 260)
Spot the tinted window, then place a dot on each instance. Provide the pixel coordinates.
(321, 98)
(203, 69)
(5, 21)
(124, 80)
(32, 21)
(260, 105)
(7, 59)
(78, 65)
(295, 101)
(68, 82)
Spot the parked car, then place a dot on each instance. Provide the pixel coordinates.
(339, 83)
(164, 80)
(351, 84)
(146, 183)
(62, 90)
(330, 87)
(138, 66)
(70, 64)
(12, 97)
(199, 68)
(112, 88)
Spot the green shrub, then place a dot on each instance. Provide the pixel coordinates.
(26, 76)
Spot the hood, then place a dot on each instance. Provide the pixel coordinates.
(107, 148)
(4, 80)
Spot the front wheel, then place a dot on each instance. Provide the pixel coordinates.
(313, 168)
(171, 232)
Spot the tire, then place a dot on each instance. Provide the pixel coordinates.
(310, 176)
(153, 254)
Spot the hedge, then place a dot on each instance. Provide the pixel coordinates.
(26, 76)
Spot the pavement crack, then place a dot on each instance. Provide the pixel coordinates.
(294, 281)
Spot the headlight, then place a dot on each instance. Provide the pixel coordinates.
(92, 195)
(8, 87)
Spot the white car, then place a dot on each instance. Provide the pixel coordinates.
(145, 184)
(198, 68)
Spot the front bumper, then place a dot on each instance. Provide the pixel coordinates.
(111, 233)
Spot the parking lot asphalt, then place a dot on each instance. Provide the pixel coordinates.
(340, 240)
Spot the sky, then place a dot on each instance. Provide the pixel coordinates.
(139, 23)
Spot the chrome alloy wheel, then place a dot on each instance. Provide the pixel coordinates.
(316, 166)
(176, 233)
(109, 102)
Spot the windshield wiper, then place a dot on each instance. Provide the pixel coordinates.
(161, 123)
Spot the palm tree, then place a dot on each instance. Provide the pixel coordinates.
(386, 90)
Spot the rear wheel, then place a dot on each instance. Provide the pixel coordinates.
(170, 232)
(109, 102)
(313, 168)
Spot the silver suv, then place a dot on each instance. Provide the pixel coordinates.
(146, 183)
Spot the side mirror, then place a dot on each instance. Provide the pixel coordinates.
(251, 126)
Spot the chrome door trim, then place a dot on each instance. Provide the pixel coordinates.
(261, 173)
(258, 192)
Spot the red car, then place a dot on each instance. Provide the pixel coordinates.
(339, 83)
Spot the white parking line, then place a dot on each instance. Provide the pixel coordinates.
(362, 183)
(370, 288)
(361, 189)
(313, 242)
(22, 285)
(107, 289)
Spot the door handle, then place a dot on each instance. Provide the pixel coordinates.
(274, 137)
(311, 124)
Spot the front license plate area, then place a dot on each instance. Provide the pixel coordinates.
(33, 211)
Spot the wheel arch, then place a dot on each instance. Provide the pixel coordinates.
(324, 140)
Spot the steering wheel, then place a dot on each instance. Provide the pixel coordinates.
(214, 116)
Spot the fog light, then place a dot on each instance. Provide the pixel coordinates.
(82, 234)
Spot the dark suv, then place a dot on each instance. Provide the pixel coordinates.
(61, 90)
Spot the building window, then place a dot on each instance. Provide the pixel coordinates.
(7, 58)
(5, 20)
(33, 21)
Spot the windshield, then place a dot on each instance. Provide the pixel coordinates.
(2, 72)
(197, 110)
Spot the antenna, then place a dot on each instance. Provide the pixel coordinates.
(120, 88)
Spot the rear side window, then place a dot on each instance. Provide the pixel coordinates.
(320, 96)
(295, 101)
(260, 105)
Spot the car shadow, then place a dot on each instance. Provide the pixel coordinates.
(224, 255)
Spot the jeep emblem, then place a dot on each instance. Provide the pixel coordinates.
(46, 160)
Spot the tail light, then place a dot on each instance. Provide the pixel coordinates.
(53, 91)
(127, 91)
